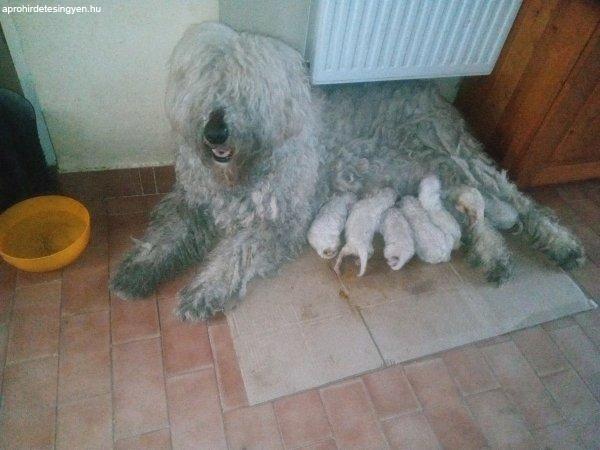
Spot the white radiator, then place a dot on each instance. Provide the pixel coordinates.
(368, 40)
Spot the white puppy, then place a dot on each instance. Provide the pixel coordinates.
(431, 244)
(324, 233)
(429, 196)
(362, 224)
(397, 235)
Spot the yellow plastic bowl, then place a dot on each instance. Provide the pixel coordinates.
(44, 233)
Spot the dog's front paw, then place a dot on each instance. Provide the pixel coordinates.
(197, 303)
(134, 279)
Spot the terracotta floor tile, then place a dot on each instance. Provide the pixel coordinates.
(593, 383)
(85, 424)
(579, 350)
(3, 345)
(391, 392)
(557, 324)
(171, 287)
(29, 278)
(493, 341)
(120, 182)
(252, 428)
(186, 345)
(410, 431)
(30, 384)
(85, 283)
(85, 333)
(83, 375)
(589, 321)
(229, 378)
(195, 411)
(27, 429)
(165, 178)
(352, 417)
(84, 369)
(470, 371)
(559, 436)
(154, 440)
(572, 395)
(8, 277)
(153, 200)
(302, 419)
(432, 383)
(133, 319)
(587, 278)
(589, 433)
(126, 205)
(147, 180)
(35, 322)
(139, 392)
(329, 444)
(539, 350)
(454, 427)
(521, 384)
(499, 420)
(98, 229)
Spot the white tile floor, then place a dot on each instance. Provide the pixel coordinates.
(296, 331)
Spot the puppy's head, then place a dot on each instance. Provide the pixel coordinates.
(235, 98)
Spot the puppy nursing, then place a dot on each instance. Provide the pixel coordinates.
(398, 237)
(361, 226)
(325, 231)
(420, 226)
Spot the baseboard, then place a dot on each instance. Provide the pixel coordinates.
(106, 184)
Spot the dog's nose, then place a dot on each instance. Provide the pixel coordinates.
(215, 130)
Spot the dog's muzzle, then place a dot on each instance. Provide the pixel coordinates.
(220, 153)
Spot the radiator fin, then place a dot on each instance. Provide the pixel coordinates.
(368, 40)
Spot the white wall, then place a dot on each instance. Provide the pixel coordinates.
(100, 77)
(283, 19)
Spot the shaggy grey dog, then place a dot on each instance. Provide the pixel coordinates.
(260, 151)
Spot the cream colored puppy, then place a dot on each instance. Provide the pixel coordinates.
(397, 235)
(430, 199)
(324, 233)
(361, 226)
(431, 244)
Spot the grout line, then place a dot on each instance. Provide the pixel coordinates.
(58, 358)
(139, 176)
(214, 367)
(154, 179)
(162, 362)
(110, 346)
(385, 364)
(9, 321)
(332, 434)
(272, 404)
(132, 436)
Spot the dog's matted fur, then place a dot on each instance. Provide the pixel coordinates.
(242, 207)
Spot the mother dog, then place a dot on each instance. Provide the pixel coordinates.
(259, 151)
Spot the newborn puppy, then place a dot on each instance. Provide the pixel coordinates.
(324, 233)
(362, 224)
(397, 235)
(429, 196)
(431, 244)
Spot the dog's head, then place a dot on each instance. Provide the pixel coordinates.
(235, 98)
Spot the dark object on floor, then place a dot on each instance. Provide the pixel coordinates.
(23, 169)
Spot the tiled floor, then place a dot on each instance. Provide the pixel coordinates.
(82, 369)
